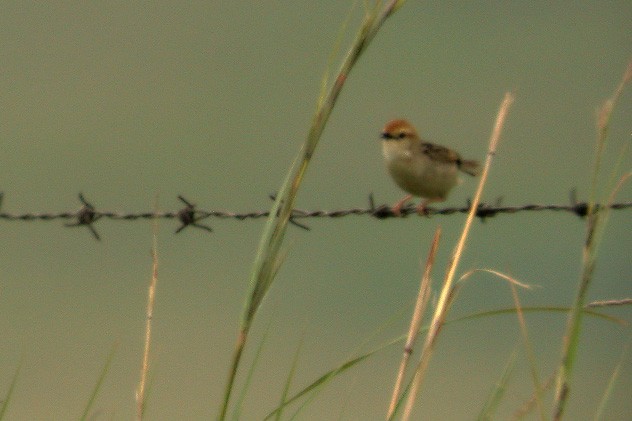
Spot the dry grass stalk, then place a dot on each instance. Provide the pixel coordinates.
(446, 296)
(142, 385)
(415, 323)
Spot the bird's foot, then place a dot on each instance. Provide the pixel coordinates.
(397, 207)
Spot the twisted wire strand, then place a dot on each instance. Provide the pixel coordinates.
(190, 215)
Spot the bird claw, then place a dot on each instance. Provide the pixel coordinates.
(397, 207)
(422, 210)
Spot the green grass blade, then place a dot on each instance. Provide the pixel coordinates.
(249, 376)
(596, 221)
(7, 398)
(288, 380)
(487, 412)
(611, 383)
(537, 309)
(330, 375)
(321, 380)
(99, 383)
(267, 262)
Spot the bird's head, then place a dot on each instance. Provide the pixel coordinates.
(399, 131)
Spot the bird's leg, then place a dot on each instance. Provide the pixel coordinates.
(397, 207)
(421, 208)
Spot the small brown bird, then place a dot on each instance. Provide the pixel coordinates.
(420, 168)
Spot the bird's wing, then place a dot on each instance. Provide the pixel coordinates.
(439, 153)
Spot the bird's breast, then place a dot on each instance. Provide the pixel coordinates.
(418, 174)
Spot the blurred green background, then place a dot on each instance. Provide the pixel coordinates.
(124, 101)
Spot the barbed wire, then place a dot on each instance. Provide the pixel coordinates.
(190, 215)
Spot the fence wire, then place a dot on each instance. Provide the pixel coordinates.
(191, 216)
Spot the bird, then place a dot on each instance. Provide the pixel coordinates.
(421, 168)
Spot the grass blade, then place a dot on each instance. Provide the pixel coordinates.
(251, 371)
(611, 383)
(288, 381)
(151, 298)
(267, 262)
(595, 223)
(330, 375)
(100, 380)
(415, 323)
(487, 412)
(7, 398)
(447, 291)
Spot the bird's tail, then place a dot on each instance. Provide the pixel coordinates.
(470, 167)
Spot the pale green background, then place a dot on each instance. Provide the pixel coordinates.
(127, 100)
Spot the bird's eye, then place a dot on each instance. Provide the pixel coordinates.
(401, 135)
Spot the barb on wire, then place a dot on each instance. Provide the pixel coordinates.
(292, 220)
(380, 212)
(86, 217)
(581, 209)
(190, 215)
